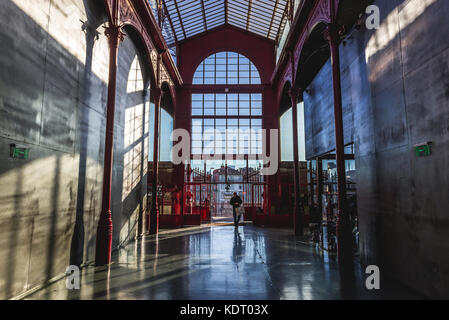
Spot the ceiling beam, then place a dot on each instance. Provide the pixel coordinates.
(180, 19)
(203, 10)
(226, 11)
(250, 5)
(171, 22)
(272, 18)
(284, 16)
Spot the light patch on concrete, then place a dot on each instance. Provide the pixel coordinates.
(63, 20)
(389, 28)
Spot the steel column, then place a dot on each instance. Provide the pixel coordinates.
(311, 185)
(319, 186)
(344, 246)
(297, 212)
(104, 230)
(154, 214)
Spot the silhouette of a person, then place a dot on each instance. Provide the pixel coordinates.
(236, 202)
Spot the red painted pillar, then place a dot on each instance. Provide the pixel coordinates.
(104, 230)
(154, 214)
(344, 247)
(298, 217)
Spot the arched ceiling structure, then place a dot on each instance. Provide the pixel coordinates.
(185, 19)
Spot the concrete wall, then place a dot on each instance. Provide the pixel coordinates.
(396, 95)
(53, 93)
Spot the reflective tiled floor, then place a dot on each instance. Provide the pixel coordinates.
(219, 262)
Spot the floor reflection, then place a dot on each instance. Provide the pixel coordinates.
(220, 263)
(238, 248)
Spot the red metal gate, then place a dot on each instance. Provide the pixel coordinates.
(208, 194)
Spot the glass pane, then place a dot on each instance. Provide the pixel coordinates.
(256, 123)
(209, 97)
(233, 104)
(221, 122)
(220, 81)
(221, 67)
(221, 112)
(255, 81)
(256, 96)
(220, 97)
(221, 104)
(197, 104)
(226, 67)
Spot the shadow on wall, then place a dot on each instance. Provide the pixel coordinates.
(410, 97)
(77, 245)
(50, 202)
(396, 102)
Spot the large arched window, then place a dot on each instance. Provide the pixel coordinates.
(136, 122)
(227, 123)
(226, 68)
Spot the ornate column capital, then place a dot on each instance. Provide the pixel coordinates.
(114, 34)
(333, 31)
(295, 93)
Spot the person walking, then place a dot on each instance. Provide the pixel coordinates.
(236, 202)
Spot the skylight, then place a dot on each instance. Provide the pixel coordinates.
(187, 18)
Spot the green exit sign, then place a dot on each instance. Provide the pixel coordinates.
(19, 153)
(423, 150)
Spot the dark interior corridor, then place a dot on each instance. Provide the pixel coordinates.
(126, 127)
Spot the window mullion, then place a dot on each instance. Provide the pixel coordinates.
(227, 71)
(215, 69)
(238, 112)
(250, 122)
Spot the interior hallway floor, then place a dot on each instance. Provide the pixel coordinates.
(219, 263)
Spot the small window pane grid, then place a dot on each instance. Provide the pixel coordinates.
(226, 68)
(135, 79)
(131, 169)
(227, 123)
(133, 124)
(227, 105)
(135, 120)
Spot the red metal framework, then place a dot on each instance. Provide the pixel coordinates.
(309, 16)
(205, 191)
(138, 15)
(264, 18)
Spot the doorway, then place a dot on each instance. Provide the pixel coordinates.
(210, 185)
